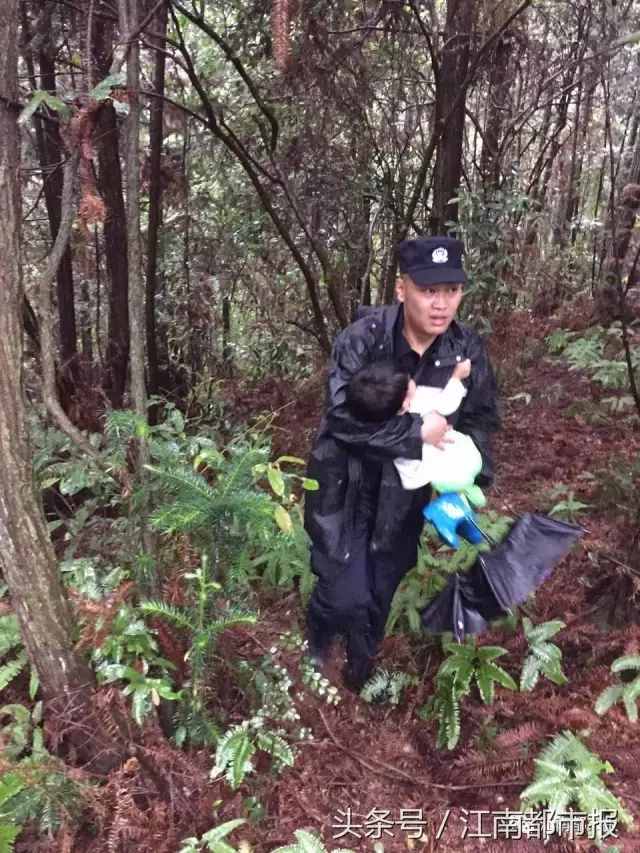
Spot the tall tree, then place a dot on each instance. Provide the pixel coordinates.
(129, 20)
(155, 193)
(26, 555)
(115, 226)
(498, 102)
(451, 82)
(51, 158)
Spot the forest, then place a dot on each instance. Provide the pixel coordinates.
(196, 198)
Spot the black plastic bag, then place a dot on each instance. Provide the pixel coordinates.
(502, 577)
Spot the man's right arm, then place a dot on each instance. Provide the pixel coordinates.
(400, 436)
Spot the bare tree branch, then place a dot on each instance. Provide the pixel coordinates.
(237, 64)
(47, 359)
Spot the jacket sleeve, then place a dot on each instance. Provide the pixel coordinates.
(479, 415)
(397, 437)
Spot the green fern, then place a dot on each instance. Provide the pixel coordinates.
(230, 517)
(10, 786)
(9, 633)
(627, 693)
(587, 351)
(385, 686)
(307, 842)
(17, 728)
(468, 662)
(193, 724)
(11, 642)
(214, 839)
(444, 707)
(124, 424)
(37, 789)
(8, 835)
(237, 746)
(567, 772)
(465, 664)
(544, 658)
(276, 747)
(49, 796)
(233, 755)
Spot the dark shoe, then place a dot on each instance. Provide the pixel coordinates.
(319, 653)
(355, 676)
(319, 642)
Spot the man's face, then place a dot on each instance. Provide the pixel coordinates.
(429, 310)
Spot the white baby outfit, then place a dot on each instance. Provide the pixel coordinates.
(435, 463)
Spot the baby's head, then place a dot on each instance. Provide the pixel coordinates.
(379, 391)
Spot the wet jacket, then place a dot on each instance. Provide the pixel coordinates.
(345, 447)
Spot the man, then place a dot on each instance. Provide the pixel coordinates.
(364, 526)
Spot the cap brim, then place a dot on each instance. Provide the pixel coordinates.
(439, 275)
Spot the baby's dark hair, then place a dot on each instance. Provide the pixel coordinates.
(377, 391)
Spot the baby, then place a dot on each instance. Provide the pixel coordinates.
(380, 390)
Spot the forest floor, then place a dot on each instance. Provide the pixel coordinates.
(381, 762)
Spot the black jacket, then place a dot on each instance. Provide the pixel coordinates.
(345, 446)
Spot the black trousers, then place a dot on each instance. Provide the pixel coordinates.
(353, 598)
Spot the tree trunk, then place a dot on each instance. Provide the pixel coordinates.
(129, 22)
(115, 225)
(451, 77)
(556, 142)
(26, 556)
(497, 112)
(579, 197)
(155, 196)
(51, 158)
(129, 16)
(626, 171)
(227, 349)
(191, 351)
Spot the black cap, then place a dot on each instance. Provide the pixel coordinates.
(432, 260)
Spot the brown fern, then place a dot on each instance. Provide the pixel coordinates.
(516, 737)
(130, 825)
(172, 648)
(480, 766)
(99, 615)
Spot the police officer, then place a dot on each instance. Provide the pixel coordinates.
(364, 527)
